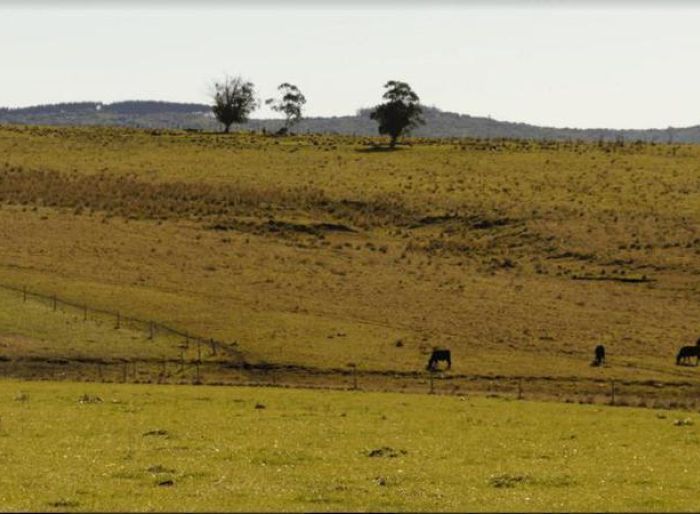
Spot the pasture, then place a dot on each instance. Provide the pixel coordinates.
(317, 255)
(106, 447)
(317, 251)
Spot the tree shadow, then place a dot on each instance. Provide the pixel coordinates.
(377, 149)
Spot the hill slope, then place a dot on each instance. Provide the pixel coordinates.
(319, 251)
(169, 115)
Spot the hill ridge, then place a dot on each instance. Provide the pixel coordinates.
(181, 115)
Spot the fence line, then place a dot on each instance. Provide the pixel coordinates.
(221, 373)
(152, 327)
(239, 372)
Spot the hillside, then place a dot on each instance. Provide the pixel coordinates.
(319, 251)
(172, 115)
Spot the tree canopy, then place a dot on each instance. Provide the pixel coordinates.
(290, 104)
(400, 113)
(234, 100)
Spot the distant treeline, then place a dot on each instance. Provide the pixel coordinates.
(139, 107)
(174, 115)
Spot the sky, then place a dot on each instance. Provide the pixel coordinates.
(552, 63)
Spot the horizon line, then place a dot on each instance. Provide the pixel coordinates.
(432, 106)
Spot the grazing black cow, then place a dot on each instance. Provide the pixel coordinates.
(599, 358)
(686, 353)
(439, 355)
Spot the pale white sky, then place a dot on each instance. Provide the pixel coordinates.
(627, 66)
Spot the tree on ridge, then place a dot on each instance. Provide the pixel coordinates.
(400, 113)
(234, 100)
(291, 104)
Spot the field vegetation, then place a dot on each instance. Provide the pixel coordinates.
(105, 447)
(329, 262)
(323, 251)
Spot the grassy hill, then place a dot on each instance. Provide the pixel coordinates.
(321, 251)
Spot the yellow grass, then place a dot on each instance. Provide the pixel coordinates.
(466, 244)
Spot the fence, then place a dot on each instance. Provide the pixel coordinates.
(213, 362)
(152, 328)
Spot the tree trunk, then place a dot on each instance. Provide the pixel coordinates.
(392, 143)
(227, 128)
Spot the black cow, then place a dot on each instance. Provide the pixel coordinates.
(439, 355)
(599, 358)
(686, 353)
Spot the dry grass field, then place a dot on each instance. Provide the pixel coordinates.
(322, 251)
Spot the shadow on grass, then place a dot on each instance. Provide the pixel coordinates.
(377, 149)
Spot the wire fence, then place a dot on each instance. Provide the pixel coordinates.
(654, 394)
(149, 327)
(204, 360)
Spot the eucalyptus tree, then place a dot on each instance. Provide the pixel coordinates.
(290, 104)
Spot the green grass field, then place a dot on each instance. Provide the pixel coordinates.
(32, 329)
(98, 447)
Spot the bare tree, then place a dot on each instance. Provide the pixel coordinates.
(234, 100)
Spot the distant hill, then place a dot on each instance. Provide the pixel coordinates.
(156, 114)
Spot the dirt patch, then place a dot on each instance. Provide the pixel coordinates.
(157, 433)
(474, 222)
(629, 280)
(387, 452)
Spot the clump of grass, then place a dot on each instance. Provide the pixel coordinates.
(684, 422)
(21, 396)
(89, 398)
(508, 480)
(158, 433)
(158, 469)
(386, 451)
(61, 504)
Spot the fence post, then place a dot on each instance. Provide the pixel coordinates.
(85, 309)
(199, 350)
(612, 392)
(182, 361)
(133, 370)
(520, 389)
(198, 378)
(353, 367)
(54, 303)
(151, 330)
(213, 346)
